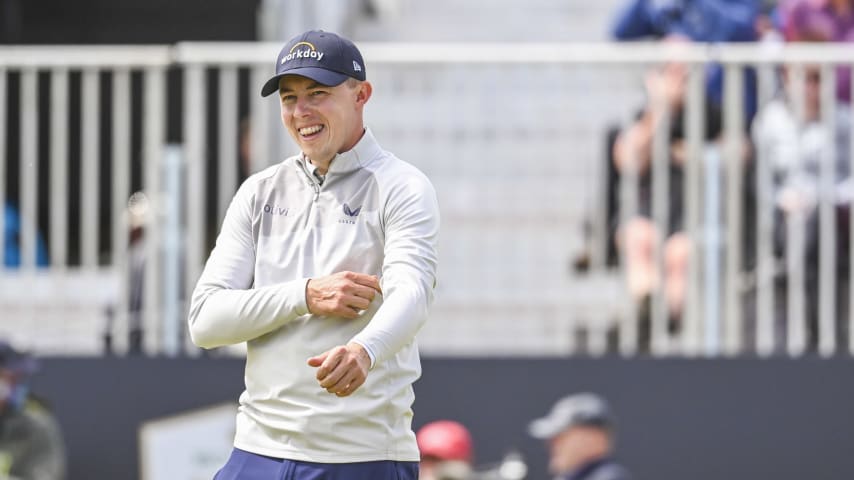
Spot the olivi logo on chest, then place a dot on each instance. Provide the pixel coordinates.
(275, 210)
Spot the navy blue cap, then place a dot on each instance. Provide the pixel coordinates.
(324, 57)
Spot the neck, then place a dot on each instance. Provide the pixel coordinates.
(323, 165)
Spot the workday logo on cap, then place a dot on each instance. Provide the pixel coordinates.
(303, 50)
(324, 57)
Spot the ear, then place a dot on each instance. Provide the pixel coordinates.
(364, 92)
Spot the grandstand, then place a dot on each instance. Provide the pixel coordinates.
(454, 129)
(506, 106)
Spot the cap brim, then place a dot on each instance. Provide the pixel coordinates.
(545, 428)
(319, 75)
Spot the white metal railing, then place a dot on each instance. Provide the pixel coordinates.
(511, 136)
(88, 62)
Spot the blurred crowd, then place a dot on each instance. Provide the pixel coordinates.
(789, 132)
(579, 433)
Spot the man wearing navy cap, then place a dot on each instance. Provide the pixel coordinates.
(325, 266)
(579, 430)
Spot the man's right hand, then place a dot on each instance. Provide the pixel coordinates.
(342, 294)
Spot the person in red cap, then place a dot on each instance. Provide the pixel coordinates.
(446, 451)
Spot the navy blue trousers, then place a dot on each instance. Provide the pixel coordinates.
(243, 465)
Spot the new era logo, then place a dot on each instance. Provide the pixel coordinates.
(356, 66)
(351, 213)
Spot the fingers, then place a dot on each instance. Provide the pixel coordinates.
(343, 294)
(317, 361)
(370, 281)
(363, 291)
(330, 360)
(358, 302)
(347, 386)
(341, 381)
(341, 370)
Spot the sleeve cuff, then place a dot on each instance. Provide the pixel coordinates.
(370, 353)
(296, 292)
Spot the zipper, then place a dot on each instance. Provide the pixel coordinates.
(316, 189)
(312, 181)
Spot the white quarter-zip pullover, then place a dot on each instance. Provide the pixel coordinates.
(373, 214)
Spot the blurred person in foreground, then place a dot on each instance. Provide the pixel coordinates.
(446, 451)
(31, 446)
(325, 266)
(579, 430)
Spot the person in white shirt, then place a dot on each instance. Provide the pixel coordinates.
(325, 266)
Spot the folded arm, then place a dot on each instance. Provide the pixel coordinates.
(224, 309)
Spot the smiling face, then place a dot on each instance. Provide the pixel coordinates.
(324, 121)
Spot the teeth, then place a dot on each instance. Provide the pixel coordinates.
(310, 130)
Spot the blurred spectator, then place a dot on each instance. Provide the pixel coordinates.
(767, 24)
(446, 451)
(31, 446)
(769, 34)
(244, 157)
(710, 21)
(821, 21)
(797, 150)
(698, 20)
(639, 238)
(137, 214)
(818, 20)
(579, 430)
(138, 211)
(12, 240)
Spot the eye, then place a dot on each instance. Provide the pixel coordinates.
(318, 93)
(288, 98)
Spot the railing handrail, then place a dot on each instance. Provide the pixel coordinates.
(552, 52)
(81, 56)
(225, 53)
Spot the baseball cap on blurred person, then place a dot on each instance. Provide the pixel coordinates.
(324, 57)
(16, 361)
(445, 440)
(585, 409)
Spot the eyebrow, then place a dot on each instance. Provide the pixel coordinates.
(309, 87)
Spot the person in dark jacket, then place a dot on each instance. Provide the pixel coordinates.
(579, 430)
(31, 445)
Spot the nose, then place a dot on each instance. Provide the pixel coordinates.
(301, 108)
